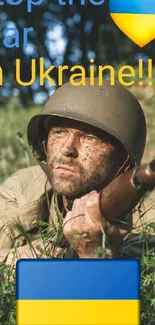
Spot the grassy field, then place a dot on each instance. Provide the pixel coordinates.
(14, 150)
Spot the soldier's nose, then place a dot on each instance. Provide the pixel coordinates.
(69, 146)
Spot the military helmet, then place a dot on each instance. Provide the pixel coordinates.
(113, 109)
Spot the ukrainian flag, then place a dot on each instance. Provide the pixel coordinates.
(136, 18)
(78, 292)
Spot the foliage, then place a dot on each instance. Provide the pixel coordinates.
(14, 150)
(7, 295)
(148, 290)
(84, 31)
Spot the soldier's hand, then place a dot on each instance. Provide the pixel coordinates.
(83, 226)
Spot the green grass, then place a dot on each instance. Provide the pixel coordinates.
(148, 290)
(14, 150)
(7, 296)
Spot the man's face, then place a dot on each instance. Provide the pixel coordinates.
(81, 158)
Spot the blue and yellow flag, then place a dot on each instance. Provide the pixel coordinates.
(136, 18)
(78, 292)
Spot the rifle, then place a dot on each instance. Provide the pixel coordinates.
(124, 192)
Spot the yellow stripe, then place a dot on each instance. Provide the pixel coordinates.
(81, 312)
(139, 27)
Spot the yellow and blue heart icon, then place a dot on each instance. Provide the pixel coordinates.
(135, 18)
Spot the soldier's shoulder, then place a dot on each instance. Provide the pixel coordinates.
(33, 170)
(25, 186)
(25, 176)
(27, 172)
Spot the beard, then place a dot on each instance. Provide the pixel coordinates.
(84, 181)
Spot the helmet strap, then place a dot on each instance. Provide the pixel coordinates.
(44, 147)
(125, 167)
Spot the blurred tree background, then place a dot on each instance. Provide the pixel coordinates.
(70, 34)
(63, 35)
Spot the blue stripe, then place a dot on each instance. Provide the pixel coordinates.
(132, 6)
(77, 279)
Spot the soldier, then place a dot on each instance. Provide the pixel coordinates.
(84, 138)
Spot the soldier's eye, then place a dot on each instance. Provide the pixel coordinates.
(59, 132)
(90, 137)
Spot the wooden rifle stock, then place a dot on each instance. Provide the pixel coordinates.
(124, 192)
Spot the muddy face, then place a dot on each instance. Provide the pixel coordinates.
(81, 158)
